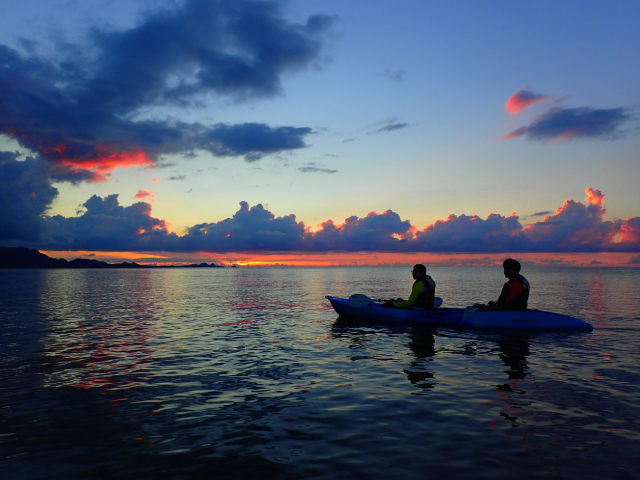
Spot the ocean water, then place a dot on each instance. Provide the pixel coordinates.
(248, 373)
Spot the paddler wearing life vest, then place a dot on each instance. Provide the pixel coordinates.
(515, 293)
(422, 293)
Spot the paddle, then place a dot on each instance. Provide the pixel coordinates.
(359, 300)
(466, 315)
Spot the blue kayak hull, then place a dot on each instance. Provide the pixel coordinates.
(459, 317)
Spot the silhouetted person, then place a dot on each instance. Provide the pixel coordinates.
(514, 294)
(422, 293)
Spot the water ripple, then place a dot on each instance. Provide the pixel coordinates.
(181, 373)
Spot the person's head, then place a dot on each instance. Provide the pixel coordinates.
(419, 270)
(511, 267)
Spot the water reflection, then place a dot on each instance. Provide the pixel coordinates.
(102, 337)
(422, 345)
(514, 351)
(512, 397)
(136, 362)
(358, 335)
(420, 341)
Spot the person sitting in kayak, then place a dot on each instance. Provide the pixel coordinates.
(514, 294)
(422, 294)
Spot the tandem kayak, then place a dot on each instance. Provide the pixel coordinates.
(365, 308)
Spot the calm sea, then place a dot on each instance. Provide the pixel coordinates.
(247, 373)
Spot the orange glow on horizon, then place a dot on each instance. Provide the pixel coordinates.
(359, 259)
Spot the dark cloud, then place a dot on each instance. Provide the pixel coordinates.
(566, 123)
(392, 127)
(376, 232)
(252, 140)
(320, 23)
(229, 47)
(25, 195)
(395, 75)
(473, 234)
(81, 110)
(106, 225)
(312, 168)
(540, 214)
(250, 229)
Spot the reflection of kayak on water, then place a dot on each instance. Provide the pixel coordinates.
(364, 307)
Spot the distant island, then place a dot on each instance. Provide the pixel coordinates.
(21, 257)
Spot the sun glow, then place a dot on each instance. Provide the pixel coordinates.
(358, 259)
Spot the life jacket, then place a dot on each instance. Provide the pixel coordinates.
(426, 298)
(521, 301)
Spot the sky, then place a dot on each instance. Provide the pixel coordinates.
(308, 132)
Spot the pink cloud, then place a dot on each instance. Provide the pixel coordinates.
(145, 194)
(629, 232)
(99, 166)
(595, 197)
(522, 100)
(579, 227)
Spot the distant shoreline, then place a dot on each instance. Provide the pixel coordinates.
(21, 257)
(24, 258)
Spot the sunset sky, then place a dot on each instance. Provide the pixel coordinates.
(321, 132)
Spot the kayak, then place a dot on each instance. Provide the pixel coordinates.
(365, 308)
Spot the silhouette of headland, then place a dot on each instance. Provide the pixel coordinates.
(21, 257)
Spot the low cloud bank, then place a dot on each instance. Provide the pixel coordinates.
(26, 193)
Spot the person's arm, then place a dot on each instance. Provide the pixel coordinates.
(507, 305)
(415, 293)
